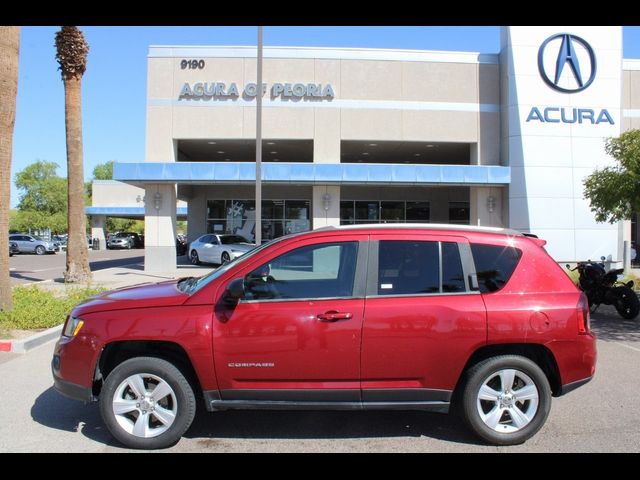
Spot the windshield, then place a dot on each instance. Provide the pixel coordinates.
(205, 280)
(229, 239)
(122, 235)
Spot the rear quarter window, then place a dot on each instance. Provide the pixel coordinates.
(494, 265)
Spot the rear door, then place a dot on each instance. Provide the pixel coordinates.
(422, 319)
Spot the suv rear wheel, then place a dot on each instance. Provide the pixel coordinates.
(506, 399)
(147, 403)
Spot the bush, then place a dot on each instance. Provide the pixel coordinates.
(34, 307)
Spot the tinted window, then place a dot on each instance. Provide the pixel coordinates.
(452, 274)
(231, 239)
(408, 267)
(316, 271)
(494, 265)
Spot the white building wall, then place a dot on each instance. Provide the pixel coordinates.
(550, 160)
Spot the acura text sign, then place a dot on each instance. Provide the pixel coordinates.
(567, 64)
(222, 91)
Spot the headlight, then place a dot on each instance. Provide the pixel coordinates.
(72, 327)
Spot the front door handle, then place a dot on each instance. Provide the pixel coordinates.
(334, 316)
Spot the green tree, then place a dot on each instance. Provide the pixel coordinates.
(42, 189)
(614, 192)
(71, 53)
(9, 48)
(103, 171)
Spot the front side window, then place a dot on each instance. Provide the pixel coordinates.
(316, 271)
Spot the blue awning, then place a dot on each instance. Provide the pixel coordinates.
(312, 173)
(126, 211)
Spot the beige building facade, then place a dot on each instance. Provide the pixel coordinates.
(349, 136)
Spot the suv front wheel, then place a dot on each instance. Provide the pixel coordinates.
(506, 399)
(147, 403)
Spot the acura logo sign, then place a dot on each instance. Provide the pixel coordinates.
(567, 63)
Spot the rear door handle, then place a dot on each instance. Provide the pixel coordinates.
(334, 316)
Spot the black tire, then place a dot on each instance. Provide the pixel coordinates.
(40, 250)
(193, 257)
(471, 405)
(185, 402)
(225, 258)
(627, 305)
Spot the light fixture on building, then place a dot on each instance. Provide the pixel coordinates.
(140, 198)
(326, 201)
(157, 200)
(491, 203)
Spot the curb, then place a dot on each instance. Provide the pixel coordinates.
(26, 344)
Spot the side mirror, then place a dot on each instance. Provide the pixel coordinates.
(234, 291)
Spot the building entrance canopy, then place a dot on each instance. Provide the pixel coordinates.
(312, 174)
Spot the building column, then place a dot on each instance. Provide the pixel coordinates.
(486, 206)
(197, 214)
(160, 228)
(326, 206)
(98, 222)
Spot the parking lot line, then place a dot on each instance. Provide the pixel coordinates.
(628, 346)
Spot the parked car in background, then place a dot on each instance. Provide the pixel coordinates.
(125, 240)
(31, 244)
(13, 248)
(62, 241)
(181, 245)
(220, 249)
(411, 317)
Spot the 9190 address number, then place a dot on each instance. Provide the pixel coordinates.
(192, 64)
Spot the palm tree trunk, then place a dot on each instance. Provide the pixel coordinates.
(77, 251)
(9, 47)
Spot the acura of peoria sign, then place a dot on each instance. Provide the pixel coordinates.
(222, 91)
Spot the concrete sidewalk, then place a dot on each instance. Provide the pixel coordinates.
(109, 278)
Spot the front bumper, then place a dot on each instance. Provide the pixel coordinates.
(68, 389)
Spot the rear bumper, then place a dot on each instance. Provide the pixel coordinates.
(569, 387)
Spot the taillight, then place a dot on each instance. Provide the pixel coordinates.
(584, 318)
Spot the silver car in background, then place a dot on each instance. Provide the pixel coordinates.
(31, 244)
(218, 249)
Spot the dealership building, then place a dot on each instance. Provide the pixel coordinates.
(382, 136)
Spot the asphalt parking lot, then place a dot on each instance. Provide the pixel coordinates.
(602, 416)
(26, 268)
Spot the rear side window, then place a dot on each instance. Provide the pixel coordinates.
(494, 265)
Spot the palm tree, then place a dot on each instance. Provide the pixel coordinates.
(71, 54)
(9, 47)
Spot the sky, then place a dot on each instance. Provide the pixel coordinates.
(114, 85)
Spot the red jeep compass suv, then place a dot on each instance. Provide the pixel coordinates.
(358, 317)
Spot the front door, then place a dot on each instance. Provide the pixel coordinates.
(296, 335)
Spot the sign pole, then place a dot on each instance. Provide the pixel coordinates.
(258, 209)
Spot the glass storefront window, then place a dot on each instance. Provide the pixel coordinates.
(459, 213)
(392, 212)
(279, 217)
(347, 214)
(418, 212)
(367, 211)
(354, 211)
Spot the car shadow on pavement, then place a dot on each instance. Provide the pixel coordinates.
(55, 411)
(609, 326)
(309, 425)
